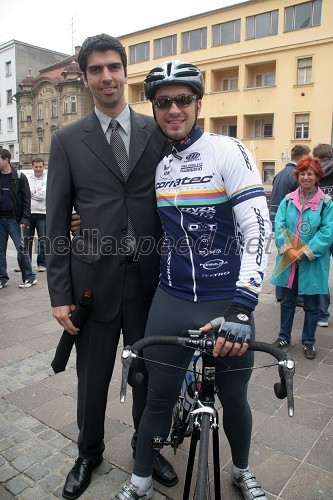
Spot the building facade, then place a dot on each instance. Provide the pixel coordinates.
(16, 60)
(54, 98)
(267, 69)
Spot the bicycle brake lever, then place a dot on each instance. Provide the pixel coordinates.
(126, 359)
(288, 368)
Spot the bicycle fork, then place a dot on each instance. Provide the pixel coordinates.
(195, 437)
(205, 407)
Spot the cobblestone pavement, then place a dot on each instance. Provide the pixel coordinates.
(292, 457)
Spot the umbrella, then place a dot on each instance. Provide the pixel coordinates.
(67, 340)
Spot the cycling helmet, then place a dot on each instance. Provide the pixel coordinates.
(174, 73)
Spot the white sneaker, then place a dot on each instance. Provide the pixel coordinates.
(322, 323)
(131, 492)
(2, 285)
(28, 284)
(17, 269)
(41, 269)
(249, 486)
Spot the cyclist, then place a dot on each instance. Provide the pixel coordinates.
(215, 218)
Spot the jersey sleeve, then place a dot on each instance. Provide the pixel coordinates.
(244, 188)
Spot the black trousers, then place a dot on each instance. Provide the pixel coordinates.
(170, 315)
(96, 347)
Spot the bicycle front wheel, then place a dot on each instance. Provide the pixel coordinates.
(202, 486)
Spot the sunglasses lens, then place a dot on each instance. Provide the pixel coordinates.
(163, 102)
(184, 100)
(181, 101)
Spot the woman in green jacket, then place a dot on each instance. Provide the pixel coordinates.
(303, 236)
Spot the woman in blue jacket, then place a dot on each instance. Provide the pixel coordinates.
(303, 236)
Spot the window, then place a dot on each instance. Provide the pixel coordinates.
(23, 114)
(229, 84)
(263, 128)
(8, 68)
(9, 96)
(230, 130)
(40, 114)
(225, 33)
(304, 70)
(54, 108)
(302, 126)
(29, 113)
(10, 123)
(166, 46)
(73, 104)
(262, 25)
(265, 80)
(268, 172)
(194, 40)
(139, 52)
(303, 15)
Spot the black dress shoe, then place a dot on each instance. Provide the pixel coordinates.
(79, 477)
(163, 471)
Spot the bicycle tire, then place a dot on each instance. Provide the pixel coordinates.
(202, 474)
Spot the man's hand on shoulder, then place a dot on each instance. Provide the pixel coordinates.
(75, 223)
(62, 314)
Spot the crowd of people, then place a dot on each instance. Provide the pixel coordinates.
(126, 177)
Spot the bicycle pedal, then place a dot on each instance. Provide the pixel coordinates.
(158, 442)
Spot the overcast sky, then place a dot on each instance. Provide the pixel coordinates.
(66, 23)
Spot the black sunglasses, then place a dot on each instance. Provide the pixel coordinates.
(181, 101)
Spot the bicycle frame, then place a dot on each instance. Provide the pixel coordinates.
(203, 415)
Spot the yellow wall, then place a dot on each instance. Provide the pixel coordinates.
(278, 53)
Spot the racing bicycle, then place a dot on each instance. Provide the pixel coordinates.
(201, 416)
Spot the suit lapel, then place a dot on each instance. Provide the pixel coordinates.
(95, 140)
(139, 139)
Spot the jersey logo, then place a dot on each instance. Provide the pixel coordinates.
(192, 157)
(213, 264)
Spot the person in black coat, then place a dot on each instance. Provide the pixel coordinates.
(84, 174)
(15, 213)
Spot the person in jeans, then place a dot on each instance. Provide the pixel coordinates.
(37, 183)
(14, 215)
(325, 154)
(303, 236)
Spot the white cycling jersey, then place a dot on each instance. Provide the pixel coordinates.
(215, 218)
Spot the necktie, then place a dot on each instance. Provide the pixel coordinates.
(118, 148)
(120, 153)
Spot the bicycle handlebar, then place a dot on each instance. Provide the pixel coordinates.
(206, 342)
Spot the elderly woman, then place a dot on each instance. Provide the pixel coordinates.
(303, 235)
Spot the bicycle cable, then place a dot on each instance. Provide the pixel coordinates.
(228, 370)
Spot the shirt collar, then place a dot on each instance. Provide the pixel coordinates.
(124, 119)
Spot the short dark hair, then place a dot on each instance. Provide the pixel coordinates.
(298, 151)
(5, 154)
(100, 43)
(323, 151)
(309, 162)
(37, 160)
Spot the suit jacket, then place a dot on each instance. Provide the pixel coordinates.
(83, 173)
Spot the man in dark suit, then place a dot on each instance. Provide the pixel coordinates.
(105, 256)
